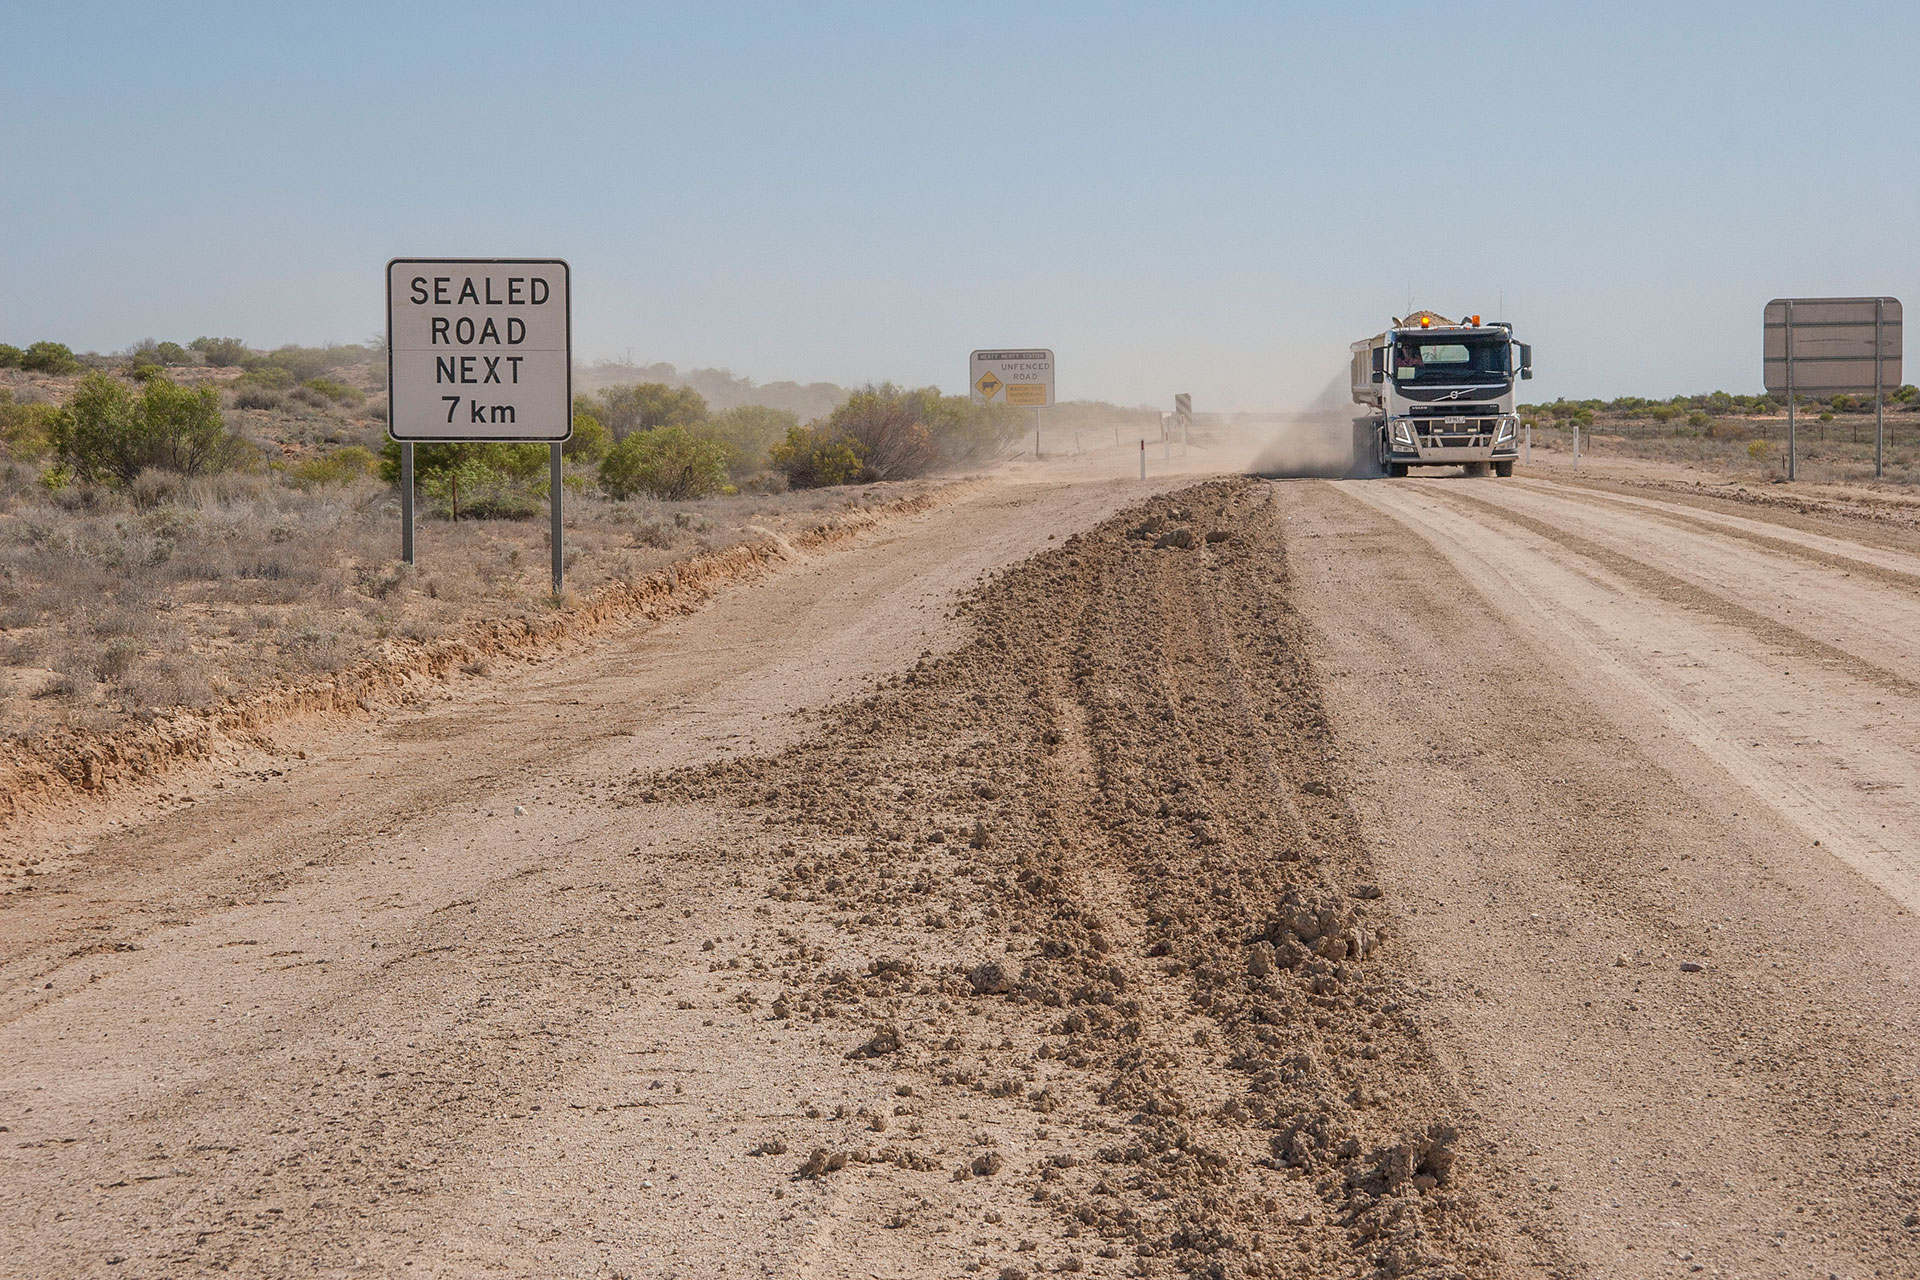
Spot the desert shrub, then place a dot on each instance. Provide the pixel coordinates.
(338, 467)
(889, 427)
(1826, 417)
(221, 352)
(1699, 418)
(1844, 404)
(749, 431)
(337, 392)
(1905, 394)
(26, 430)
(172, 353)
(477, 480)
(105, 432)
(304, 394)
(10, 356)
(667, 462)
(814, 457)
(49, 357)
(1759, 450)
(304, 364)
(256, 397)
(590, 439)
(646, 405)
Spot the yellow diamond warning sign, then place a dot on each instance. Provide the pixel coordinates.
(989, 385)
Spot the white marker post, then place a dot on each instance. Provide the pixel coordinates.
(1143, 457)
(479, 350)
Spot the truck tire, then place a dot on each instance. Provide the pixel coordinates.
(1396, 469)
(1503, 469)
(1477, 469)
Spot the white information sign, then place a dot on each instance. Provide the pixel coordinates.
(479, 349)
(1021, 378)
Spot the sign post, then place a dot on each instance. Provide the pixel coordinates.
(1023, 378)
(479, 350)
(1831, 346)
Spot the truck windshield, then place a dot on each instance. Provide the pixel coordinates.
(1437, 360)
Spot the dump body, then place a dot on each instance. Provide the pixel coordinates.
(1442, 393)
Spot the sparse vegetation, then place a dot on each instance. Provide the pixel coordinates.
(107, 433)
(666, 462)
(49, 357)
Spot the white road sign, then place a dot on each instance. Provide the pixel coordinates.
(1023, 378)
(479, 349)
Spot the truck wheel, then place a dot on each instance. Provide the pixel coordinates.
(1503, 469)
(1396, 469)
(1476, 469)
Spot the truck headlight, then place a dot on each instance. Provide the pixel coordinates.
(1403, 434)
(1508, 427)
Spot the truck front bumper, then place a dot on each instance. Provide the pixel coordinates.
(1439, 441)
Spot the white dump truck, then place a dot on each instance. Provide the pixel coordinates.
(1441, 392)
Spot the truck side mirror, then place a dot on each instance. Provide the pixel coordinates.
(1526, 362)
(1379, 376)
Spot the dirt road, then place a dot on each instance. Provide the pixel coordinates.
(1428, 877)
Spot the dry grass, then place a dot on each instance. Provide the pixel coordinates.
(1837, 452)
(117, 605)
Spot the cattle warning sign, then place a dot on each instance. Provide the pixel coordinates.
(479, 349)
(1011, 377)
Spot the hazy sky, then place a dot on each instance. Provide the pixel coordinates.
(1192, 197)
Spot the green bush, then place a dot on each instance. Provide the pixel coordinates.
(1905, 394)
(304, 364)
(172, 353)
(590, 439)
(337, 392)
(814, 457)
(1699, 418)
(221, 352)
(106, 433)
(646, 405)
(1844, 404)
(481, 481)
(10, 356)
(26, 430)
(749, 432)
(341, 466)
(49, 357)
(668, 462)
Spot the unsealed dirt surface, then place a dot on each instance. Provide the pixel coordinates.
(1397, 878)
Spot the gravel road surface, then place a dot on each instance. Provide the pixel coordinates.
(1225, 877)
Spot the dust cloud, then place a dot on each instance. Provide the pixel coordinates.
(1326, 439)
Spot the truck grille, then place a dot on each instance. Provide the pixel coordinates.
(1453, 410)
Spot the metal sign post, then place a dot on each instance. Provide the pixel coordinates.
(406, 503)
(559, 560)
(479, 350)
(1831, 346)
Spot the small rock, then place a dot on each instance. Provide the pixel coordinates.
(885, 1040)
(1218, 535)
(1366, 891)
(990, 979)
(519, 811)
(1688, 966)
(1260, 959)
(985, 1166)
(1179, 539)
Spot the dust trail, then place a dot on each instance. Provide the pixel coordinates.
(1333, 446)
(1327, 438)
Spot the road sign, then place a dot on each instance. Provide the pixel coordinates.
(1183, 415)
(1012, 377)
(479, 349)
(1826, 346)
(1830, 346)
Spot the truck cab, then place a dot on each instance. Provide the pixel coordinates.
(1442, 393)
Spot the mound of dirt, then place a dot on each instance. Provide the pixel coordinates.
(1117, 912)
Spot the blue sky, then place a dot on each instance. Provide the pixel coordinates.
(1210, 198)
